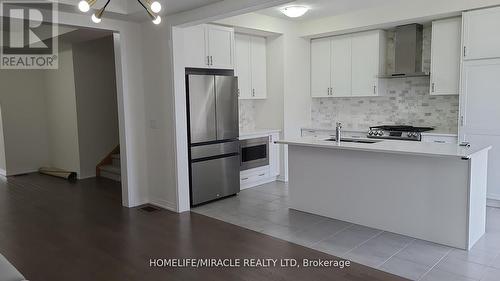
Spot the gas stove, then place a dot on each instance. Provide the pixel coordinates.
(398, 132)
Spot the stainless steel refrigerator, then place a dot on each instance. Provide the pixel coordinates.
(213, 136)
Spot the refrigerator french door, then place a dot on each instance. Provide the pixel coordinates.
(213, 136)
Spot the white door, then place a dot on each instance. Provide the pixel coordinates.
(259, 67)
(481, 34)
(242, 65)
(445, 58)
(341, 67)
(274, 155)
(320, 67)
(195, 46)
(480, 108)
(220, 46)
(481, 97)
(365, 64)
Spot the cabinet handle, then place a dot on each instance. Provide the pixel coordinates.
(253, 92)
(374, 90)
(465, 51)
(433, 87)
(438, 141)
(462, 121)
(244, 179)
(208, 60)
(211, 60)
(261, 175)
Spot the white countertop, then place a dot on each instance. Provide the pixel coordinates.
(392, 146)
(258, 132)
(430, 133)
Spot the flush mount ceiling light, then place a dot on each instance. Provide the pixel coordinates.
(294, 11)
(151, 7)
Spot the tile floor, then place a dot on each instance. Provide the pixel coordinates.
(266, 209)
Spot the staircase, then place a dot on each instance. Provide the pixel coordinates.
(110, 166)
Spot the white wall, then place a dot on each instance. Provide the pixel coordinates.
(131, 112)
(24, 116)
(289, 102)
(96, 102)
(403, 12)
(3, 171)
(159, 99)
(61, 113)
(165, 100)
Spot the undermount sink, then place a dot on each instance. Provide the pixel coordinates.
(354, 140)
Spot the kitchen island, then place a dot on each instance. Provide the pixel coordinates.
(435, 192)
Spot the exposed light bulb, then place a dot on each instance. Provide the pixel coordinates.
(156, 7)
(295, 11)
(96, 19)
(157, 20)
(84, 6)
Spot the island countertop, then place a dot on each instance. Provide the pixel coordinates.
(392, 146)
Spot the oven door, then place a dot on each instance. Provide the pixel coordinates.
(254, 153)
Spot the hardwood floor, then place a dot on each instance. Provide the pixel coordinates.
(54, 230)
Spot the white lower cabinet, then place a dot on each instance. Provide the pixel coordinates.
(448, 139)
(262, 175)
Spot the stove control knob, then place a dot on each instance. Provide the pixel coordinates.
(370, 133)
(410, 134)
(380, 133)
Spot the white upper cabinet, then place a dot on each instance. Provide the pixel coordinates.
(195, 47)
(220, 46)
(320, 68)
(242, 67)
(341, 67)
(445, 58)
(259, 67)
(348, 66)
(368, 62)
(209, 46)
(481, 39)
(251, 66)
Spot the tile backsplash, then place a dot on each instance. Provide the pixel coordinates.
(247, 113)
(407, 101)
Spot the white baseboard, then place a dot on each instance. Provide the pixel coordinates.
(493, 196)
(16, 173)
(282, 179)
(3, 173)
(257, 183)
(493, 203)
(164, 204)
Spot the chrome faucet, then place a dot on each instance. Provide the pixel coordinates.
(338, 132)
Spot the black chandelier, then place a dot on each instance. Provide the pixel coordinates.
(151, 7)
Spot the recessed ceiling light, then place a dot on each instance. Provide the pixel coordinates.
(294, 11)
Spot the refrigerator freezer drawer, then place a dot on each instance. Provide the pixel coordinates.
(214, 179)
(210, 150)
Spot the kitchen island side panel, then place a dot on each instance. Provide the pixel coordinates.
(418, 196)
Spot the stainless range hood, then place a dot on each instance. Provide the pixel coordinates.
(408, 52)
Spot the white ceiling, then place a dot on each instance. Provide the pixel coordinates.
(172, 6)
(131, 9)
(325, 8)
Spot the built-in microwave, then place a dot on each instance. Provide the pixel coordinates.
(254, 153)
